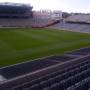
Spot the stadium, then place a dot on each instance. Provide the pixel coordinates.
(43, 50)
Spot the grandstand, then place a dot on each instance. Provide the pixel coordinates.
(68, 72)
(45, 18)
(15, 10)
(21, 15)
(15, 15)
(76, 23)
(80, 18)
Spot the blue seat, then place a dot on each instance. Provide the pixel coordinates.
(34, 87)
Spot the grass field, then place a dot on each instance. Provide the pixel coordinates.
(18, 45)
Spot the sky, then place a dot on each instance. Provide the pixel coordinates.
(82, 6)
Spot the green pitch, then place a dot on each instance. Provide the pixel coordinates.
(19, 45)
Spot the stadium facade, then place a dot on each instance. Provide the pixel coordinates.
(15, 10)
(15, 15)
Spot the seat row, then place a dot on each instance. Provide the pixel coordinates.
(56, 77)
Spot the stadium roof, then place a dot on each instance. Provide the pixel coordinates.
(14, 4)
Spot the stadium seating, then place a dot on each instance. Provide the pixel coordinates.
(42, 22)
(15, 23)
(61, 81)
(81, 18)
(72, 27)
(62, 73)
(83, 51)
(25, 68)
(25, 22)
